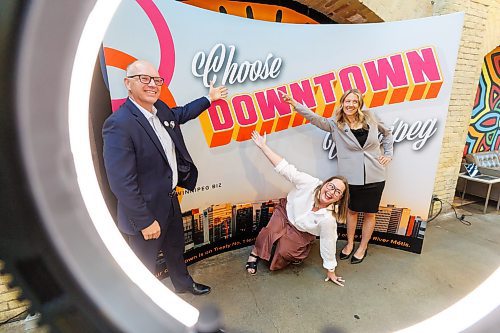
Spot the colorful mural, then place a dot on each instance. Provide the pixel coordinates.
(484, 127)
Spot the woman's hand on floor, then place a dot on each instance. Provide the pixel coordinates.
(334, 278)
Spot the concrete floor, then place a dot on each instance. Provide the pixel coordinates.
(388, 291)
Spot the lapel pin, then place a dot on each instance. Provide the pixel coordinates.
(172, 124)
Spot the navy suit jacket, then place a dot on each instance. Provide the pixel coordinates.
(136, 165)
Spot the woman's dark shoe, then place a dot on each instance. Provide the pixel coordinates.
(252, 265)
(355, 260)
(343, 256)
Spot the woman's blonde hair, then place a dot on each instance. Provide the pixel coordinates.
(340, 211)
(340, 117)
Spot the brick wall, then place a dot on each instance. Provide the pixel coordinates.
(470, 59)
(396, 10)
(9, 305)
(492, 38)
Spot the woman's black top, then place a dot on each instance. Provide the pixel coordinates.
(361, 134)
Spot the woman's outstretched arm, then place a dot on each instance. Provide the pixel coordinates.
(260, 141)
(321, 122)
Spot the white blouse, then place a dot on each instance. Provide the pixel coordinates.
(300, 201)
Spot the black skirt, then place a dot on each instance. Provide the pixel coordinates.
(365, 198)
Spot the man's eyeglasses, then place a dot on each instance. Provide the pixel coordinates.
(331, 187)
(145, 79)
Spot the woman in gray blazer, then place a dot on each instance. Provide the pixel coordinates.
(360, 159)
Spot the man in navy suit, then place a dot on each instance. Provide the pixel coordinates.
(146, 158)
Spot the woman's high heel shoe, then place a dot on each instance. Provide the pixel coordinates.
(343, 256)
(252, 264)
(355, 260)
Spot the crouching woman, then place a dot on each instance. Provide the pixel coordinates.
(312, 208)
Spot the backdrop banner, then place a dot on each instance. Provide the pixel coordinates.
(404, 69)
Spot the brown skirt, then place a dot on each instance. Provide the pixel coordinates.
(291, 244)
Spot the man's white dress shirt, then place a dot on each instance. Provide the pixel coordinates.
(164, 137)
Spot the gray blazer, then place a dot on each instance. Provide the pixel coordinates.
(353, 159)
